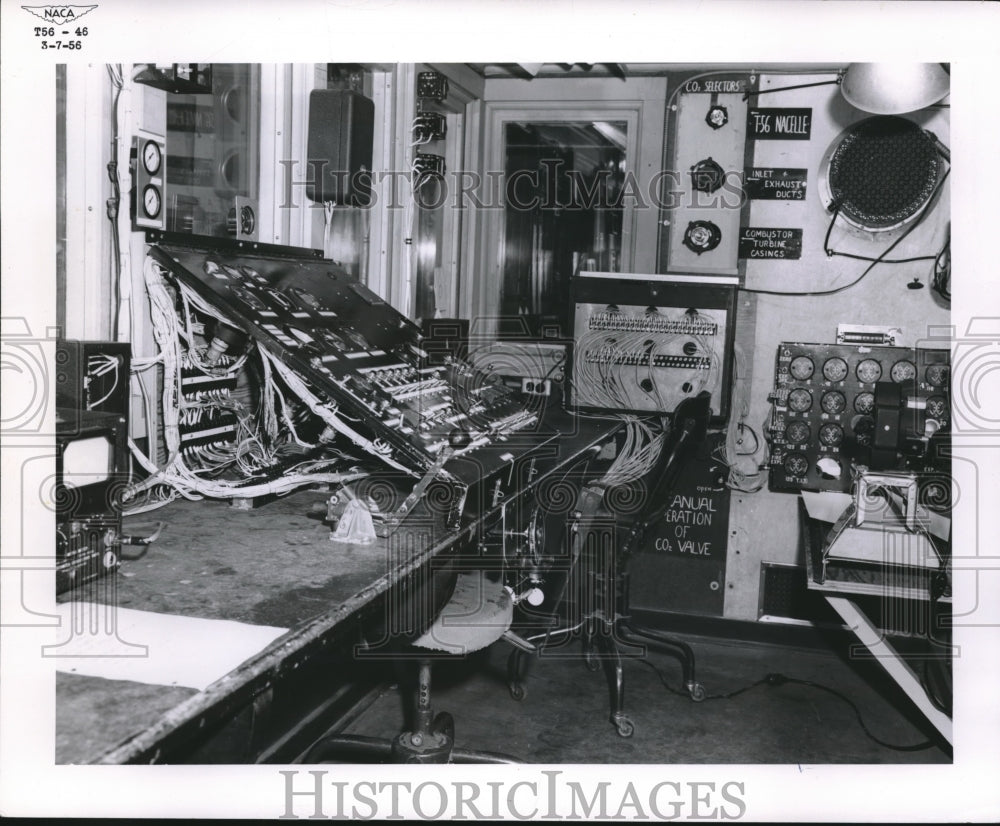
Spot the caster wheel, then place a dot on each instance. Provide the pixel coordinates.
(624, 726)
(592, 663)
(518, 691)
(697, 692)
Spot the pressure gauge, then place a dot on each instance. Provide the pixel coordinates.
(800, 400)
(833, 402)
(903, 371)
(937, 408)
(796, 464)
(869, 371)
(835, 369)
(152, 157)
(801, 368)
(937, 375)
(151, 201)
(797, 432)
(864, 402)
(831, 434)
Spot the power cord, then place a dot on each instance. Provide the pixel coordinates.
(775, 680)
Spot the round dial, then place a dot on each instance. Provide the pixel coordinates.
(796, 464)
(864, 402)
(151, 202)
(356, 337)
(800, 400)
(152, 157)
(801, 368)
(831, 434)
(797, 432)
(937, 375)
(305, 299)
(835, 369)
(863, 429)
(937, 408)
(248, 298)
(869, 371)
(903, 371)
(833, 402)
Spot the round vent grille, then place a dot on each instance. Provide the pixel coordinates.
(882, 172)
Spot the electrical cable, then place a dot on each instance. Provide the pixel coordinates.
(776, 680)
(873, 264)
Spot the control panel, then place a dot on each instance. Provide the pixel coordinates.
(838, 405)
(357, 358)
(643, 346)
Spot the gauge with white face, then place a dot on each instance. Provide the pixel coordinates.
(800, 400)
(151, 202)
(796, 464)
(152, 157)
(797, 432)
(937, 408)
(864, 402)
(831, 434)
(868, 371)
(936, 375)
(833, 402)
(903, 370)
(801, 368)
(835, 369)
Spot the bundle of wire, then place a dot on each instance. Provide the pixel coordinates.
(744, 469)
(252, 453)
(605, 356)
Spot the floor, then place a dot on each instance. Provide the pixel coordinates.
(564, 717)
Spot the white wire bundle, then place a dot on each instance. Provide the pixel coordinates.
(744, 473)
(187, 482)
(638, 454)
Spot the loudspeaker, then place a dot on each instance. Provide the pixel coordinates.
(341, 128)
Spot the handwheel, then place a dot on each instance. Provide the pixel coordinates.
(624, 726)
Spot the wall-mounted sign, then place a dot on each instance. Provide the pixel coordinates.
(770, 242)
(775, 184)
(716, 85)
(779, 124)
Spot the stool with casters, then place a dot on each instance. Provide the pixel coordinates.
(478, 613)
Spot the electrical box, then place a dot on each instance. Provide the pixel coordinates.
(339, 152)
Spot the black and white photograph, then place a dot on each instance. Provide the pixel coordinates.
(572, 395)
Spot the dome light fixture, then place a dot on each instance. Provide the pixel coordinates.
(895, 88)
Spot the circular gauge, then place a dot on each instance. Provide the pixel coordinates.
(833, 402)
(356, 337)
(835, 369)
(831, 434)
(248, 298)
(937, 375)
(332, 338)
(864, 402)
(152, 157)
(796, 464)
(797, 432)
(937, 408)
(801, 367)
(868, 371)
(800, 400)
(151, 202)
(863, 428)
(903, 370)
(305, 299)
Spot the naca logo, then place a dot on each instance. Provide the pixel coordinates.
(59, 14)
